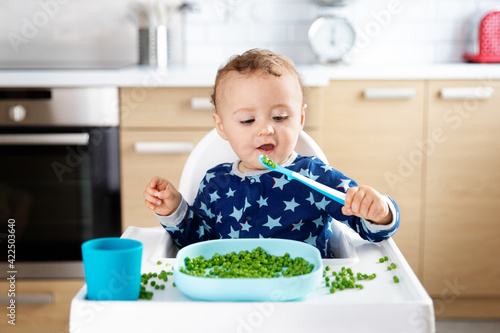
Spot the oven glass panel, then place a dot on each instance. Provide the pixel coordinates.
(60, 195)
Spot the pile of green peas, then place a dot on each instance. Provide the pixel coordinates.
(247, 264)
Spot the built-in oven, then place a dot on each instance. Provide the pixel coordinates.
(59, 177)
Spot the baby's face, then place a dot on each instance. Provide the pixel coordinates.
(260, 114)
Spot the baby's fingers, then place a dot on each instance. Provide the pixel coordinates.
(349, 196)
(151, 201)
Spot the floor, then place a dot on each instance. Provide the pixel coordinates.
(467, 326)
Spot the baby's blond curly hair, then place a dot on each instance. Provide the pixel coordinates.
(254, 60)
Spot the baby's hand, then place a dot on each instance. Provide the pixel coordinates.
(161, 196)
(367, 203)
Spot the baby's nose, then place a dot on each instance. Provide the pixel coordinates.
(266, 129)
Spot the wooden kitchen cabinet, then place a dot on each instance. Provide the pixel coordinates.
(44, 318)
(159, 127)
(372, 132)
(462, 193)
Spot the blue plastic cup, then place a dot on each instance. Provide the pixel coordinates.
(112, 268)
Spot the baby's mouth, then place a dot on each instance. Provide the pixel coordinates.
(266, 148)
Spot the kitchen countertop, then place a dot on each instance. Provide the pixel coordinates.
(313, 75)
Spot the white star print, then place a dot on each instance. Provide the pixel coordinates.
(307, 173)
(344, 184)
(206, 226)
(214, 196)
(234, 233)
(245, 226)
(311, 240)
(322, 204)
(219, 218)
(311, 198)
(318, 222)
(291, 205)
(327, 168)
(262, 201)
(271, 223)
(204, 208)
(236, 213)
(296, 226)
(230, 193)
(202, 186)
(209, 176)
(200, 231)
(280, 182)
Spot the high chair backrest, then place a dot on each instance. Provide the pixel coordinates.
(213, 150)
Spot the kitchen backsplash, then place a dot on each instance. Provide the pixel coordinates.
(388, 31)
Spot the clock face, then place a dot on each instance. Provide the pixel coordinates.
(331, 37)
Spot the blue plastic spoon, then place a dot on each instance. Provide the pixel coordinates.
(323, 189)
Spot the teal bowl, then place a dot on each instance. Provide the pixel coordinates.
(248, 289)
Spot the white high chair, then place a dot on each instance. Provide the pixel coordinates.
(383, 305)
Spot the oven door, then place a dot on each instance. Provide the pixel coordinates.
(58, 188)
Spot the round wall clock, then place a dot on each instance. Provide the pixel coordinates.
(331, 37)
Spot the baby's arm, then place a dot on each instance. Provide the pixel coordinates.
(161, 196)
(365, 202)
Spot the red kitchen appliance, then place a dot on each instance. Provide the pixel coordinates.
(483, 38)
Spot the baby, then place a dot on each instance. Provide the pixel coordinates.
(259, 109)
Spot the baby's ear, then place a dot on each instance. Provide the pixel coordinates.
(303, 115)
(218, 125)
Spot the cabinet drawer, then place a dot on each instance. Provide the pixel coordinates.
(165, 107)
(40, 316)
(138, 167)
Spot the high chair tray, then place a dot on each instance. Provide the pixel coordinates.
(381, 306)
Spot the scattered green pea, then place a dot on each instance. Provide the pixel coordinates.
(386, 258)
(346, 279)
(393, 265)
(396, 279)
(158, 262)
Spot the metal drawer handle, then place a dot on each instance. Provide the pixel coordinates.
(163, 147)
(482, 93)
(62, 139)
(201, 103)
(30, 298)
(389, 93)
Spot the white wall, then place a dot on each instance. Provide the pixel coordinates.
(389, 31)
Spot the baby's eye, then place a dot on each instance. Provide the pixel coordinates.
(279, 118)
(247, 122)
